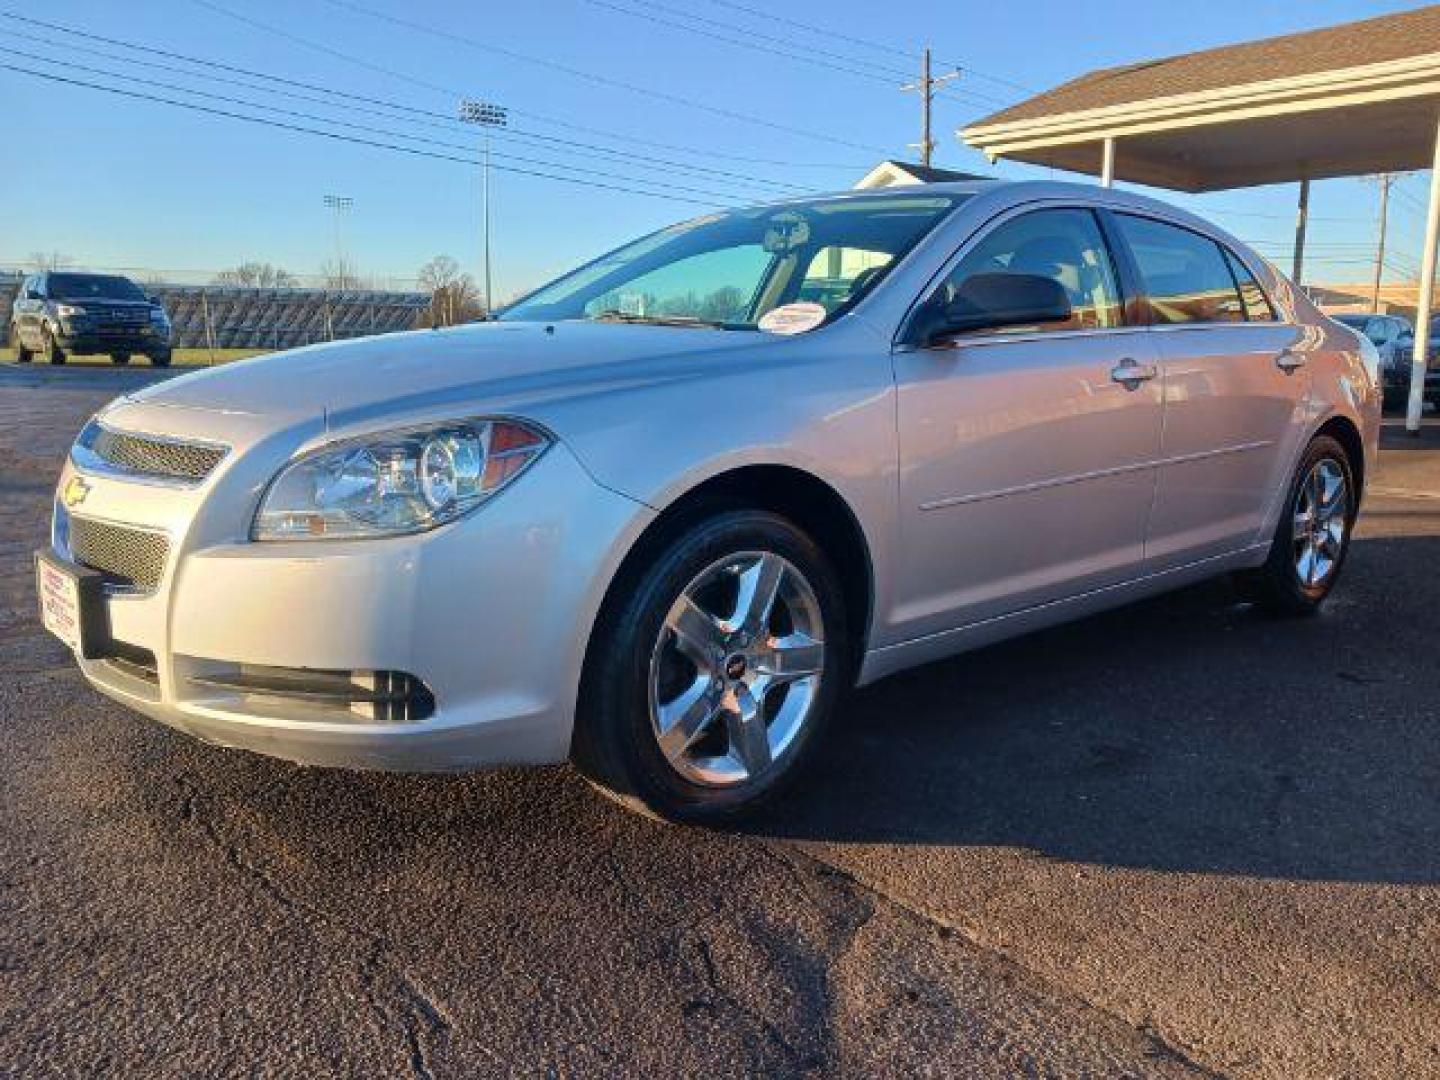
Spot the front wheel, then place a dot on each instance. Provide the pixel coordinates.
(1312, 537)
(160, 359)
(22, 354)
(120, 358)
(53, 352)
(712, 676)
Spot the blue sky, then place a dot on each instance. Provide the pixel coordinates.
(119, 182)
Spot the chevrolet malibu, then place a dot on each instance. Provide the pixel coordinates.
(663, 512)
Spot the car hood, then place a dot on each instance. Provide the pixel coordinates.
(495, 365)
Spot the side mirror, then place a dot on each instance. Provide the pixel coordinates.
(997, 301)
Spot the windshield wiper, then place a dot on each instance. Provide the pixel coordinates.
(615, 315)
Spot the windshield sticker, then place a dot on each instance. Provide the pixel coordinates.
(793, 318)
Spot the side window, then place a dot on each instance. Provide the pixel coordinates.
(835, 274)
(1065, 246)
(1257, 305)
(1184, 274)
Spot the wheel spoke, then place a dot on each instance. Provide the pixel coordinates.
(685, 719)
(697, 634)
(759, 585)
(791, 657)
(1305, 565)
(749, 737)
(1335, 501)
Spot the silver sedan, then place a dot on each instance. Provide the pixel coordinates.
(661, 514)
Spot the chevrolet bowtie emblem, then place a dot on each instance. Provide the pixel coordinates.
(75, 492)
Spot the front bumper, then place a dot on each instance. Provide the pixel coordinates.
(491, 614)
(86, 340)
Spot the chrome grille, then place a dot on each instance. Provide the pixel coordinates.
(145, 456)
(132, 558)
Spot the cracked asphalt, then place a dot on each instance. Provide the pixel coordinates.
(1177, 839)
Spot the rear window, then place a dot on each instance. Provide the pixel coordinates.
(92, 287)
(1185, 275)
(1257, 305)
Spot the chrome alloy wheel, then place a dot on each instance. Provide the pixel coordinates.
(736, 670)
(1322, 507)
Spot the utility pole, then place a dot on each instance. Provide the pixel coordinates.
(486, 116)
(1386, 179)
(926, 89)
(341, 205)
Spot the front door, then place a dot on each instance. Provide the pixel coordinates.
(1027, 452)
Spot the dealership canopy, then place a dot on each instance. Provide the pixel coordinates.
(1349, 100)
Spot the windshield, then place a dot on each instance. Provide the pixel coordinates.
(730, 269)
(92, 287)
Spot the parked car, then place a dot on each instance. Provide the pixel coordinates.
(1394, 338)
(660, 516)
(61, 312)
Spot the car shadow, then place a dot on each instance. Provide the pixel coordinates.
(1187, 733)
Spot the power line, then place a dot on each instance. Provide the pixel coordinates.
(449, 92)
(453, 93)
(817, 57)
(410, 114)
(811, 55)
(664, 185)
(869, 43)
(337, 137)
(594, 77)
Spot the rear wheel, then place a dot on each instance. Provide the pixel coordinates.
(1312, 537)
(53, 352)
(160, 359)
(713, 675)
(120, 358)
(22, 354)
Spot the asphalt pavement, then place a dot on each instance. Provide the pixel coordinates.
(1176, 839)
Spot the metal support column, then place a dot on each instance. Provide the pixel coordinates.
(1420, 355)
(1302, 218)
(1107, 163)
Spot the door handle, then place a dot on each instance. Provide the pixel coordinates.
(1130, 375)
(1288, 361)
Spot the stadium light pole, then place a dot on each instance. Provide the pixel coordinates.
(486, 116)
(341, 205)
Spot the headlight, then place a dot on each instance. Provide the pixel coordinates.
(397, 482)
(68, 311)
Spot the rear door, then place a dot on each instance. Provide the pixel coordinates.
(1235, 384)
(1027, 453)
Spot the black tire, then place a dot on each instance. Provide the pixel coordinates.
(160, 359)
(1278, 586)
(22, 354)
(120, 358)
(53, 352)
(615, 743)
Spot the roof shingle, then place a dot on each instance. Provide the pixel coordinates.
(1355, 44)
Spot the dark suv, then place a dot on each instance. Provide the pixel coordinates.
(62, 312)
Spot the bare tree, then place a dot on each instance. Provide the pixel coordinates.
(52, 260)
(340, 273)
(454, 297)
(261, 275)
